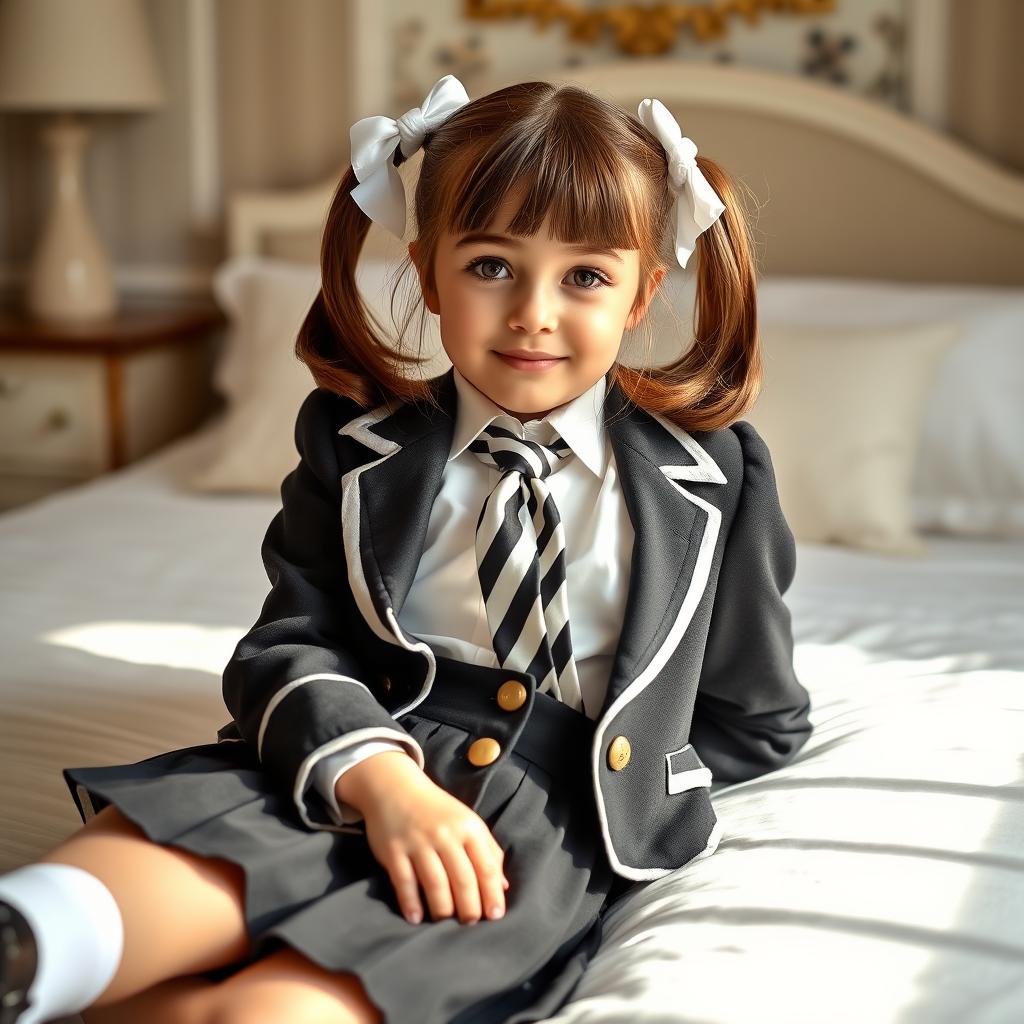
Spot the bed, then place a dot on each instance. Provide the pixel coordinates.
(878, 877)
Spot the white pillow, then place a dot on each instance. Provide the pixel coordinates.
(264, 384)
(258, 373)
(841, 411)
(969, 479)
(968, 476)
(265, 300)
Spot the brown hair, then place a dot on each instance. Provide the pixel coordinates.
(603, 177)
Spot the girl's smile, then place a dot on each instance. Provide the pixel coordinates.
(530, 365)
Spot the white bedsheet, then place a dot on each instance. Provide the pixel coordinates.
(878, 878)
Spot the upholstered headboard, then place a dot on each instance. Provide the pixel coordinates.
(838, 185)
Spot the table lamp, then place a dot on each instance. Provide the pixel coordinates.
(69, 57)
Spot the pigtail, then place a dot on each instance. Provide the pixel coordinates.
(341, 340)
(718, 378)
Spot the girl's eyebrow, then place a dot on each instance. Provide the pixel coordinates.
(482, 236)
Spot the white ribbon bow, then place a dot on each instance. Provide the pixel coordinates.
(700, 207)
(380, 193)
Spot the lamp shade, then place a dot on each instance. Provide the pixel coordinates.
(71, 55)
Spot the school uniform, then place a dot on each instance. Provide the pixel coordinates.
(448, 615)
(368, 640)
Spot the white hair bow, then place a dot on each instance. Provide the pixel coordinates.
(697, 203)
(380, 193)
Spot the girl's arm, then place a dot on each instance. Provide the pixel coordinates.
(751, 711)
(294, 684)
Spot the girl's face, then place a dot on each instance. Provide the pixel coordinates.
(500, 294)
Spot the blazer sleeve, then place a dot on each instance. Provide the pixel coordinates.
(295, 684)
(751, 713)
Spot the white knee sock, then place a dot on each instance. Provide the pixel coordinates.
(78, 931)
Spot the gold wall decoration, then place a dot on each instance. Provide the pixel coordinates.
(641, 30)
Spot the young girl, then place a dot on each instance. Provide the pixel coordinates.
(520, 614)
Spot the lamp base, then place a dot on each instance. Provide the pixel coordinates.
(70, 277)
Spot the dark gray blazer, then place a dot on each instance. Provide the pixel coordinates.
(702, 683)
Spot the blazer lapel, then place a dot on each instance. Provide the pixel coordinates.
(391, 497)
(675, 532)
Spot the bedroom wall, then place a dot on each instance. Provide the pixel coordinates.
(261, 94)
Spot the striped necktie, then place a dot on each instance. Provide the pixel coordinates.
(520, 553)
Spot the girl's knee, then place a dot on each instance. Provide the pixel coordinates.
(185, 1000)
(109, 821)
(109, 824)
(257, 1009)
(285, 985)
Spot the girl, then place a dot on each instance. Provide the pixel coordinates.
(519, 614)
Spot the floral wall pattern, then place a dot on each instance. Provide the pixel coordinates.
(858, 45)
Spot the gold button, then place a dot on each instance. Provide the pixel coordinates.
(484, 750)
(618, 753)
(511, 695)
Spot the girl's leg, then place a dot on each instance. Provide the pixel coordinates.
(281, 986)
(182, 914)
(285, 985)
(178, 1001)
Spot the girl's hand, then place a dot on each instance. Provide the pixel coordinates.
(422, 835)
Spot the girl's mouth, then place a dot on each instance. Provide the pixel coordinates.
(529, 365)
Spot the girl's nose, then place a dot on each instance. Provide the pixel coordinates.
(534, 310)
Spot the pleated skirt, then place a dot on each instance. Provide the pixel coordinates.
(324, 894)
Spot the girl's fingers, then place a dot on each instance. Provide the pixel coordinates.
(407, 889)
(434, 878)
(469, 874)
(490, 875)
(462, 874)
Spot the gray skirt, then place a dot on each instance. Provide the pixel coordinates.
(324, 894)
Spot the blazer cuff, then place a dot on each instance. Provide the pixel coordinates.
(315, 715)
(325, 773)
(312, 808)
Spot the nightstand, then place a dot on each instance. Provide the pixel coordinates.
(80, 400)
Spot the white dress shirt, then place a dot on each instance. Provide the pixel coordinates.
(451, 617)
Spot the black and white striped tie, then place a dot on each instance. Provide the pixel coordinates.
(520, 553)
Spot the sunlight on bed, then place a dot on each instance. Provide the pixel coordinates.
(171, 644)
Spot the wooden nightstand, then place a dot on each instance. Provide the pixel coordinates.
(78, 401)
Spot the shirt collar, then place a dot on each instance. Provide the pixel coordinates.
(580, 423)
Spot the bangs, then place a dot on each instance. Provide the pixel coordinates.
(587, 187)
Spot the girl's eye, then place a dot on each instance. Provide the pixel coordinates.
(480, 261)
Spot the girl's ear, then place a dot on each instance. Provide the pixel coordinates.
(643, 301)
(429, 294)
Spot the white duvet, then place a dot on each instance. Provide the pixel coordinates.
(878, 878)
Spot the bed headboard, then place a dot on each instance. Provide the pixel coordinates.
(839, 186)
